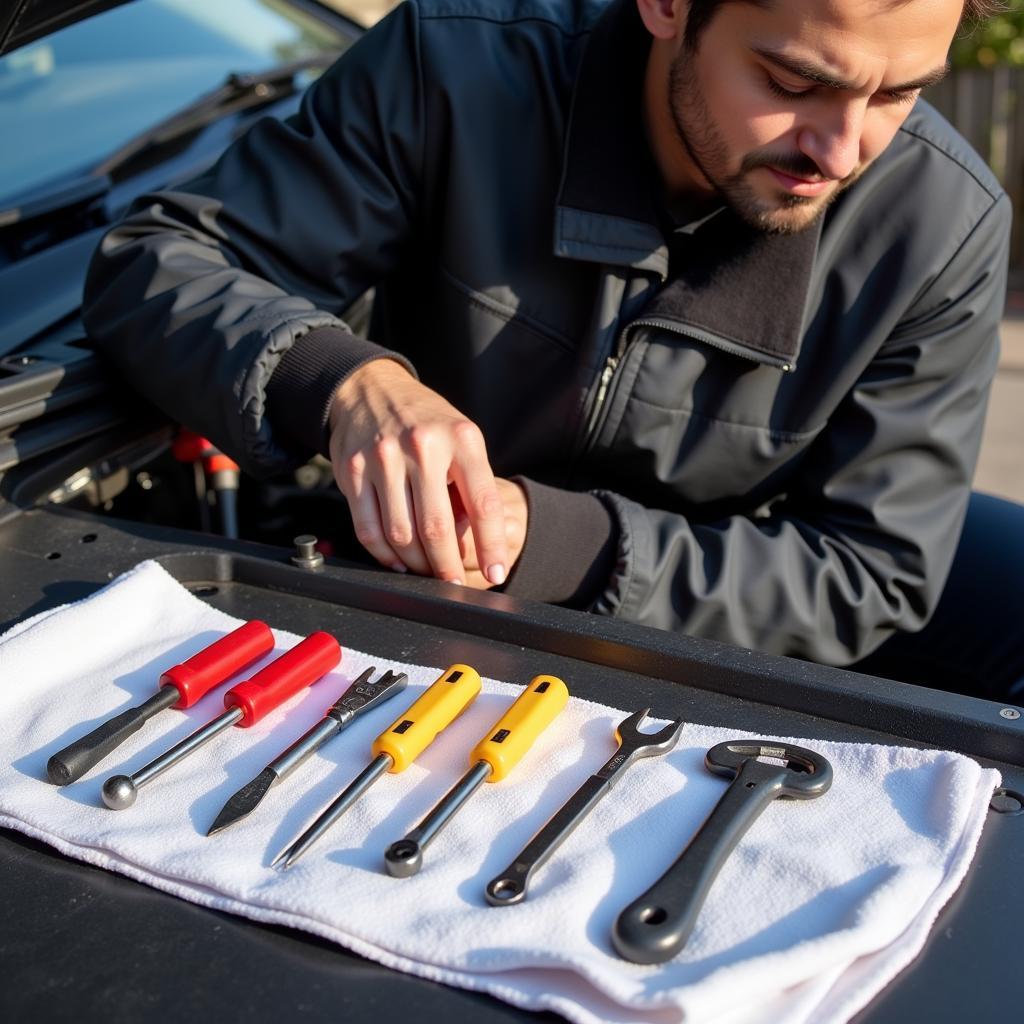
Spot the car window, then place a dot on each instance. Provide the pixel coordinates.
(70, 99)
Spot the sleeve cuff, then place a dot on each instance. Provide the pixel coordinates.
(303, 383)
(570, 548)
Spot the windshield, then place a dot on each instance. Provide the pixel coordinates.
(75, 96)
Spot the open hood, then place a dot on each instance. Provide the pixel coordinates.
(23, 21)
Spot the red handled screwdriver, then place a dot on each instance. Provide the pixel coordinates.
(247, 703)
(180, 687)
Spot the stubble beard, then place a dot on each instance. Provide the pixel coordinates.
(701, 139)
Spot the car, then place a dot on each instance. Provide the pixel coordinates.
(100, 102)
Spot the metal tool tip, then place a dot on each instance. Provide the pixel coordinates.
(286, 857)
(403, 859)
(119, 792)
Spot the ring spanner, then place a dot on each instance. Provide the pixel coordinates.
(510, 886)
(655, 927)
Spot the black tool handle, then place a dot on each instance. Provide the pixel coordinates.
(655, 927)
(71, 763)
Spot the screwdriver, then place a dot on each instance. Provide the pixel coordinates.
(247, 702)
(180, 687)
(397, 747)
(491, 760)
(362, 696)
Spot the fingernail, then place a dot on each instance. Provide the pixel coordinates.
(398, 567)
(457, 583)
(496, 573)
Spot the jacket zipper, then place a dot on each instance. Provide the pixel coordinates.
(595, 419)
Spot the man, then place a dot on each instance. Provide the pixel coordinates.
(702, 303)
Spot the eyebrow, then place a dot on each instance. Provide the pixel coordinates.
(822, 76)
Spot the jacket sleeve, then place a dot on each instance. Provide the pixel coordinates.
(199, 292)
(863, 542)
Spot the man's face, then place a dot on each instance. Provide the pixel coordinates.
(781, 106)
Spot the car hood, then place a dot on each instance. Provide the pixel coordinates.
(23, 21)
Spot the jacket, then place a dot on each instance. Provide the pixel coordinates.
(782, 428)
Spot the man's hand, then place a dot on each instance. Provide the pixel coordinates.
(513, 497)
(395, 447)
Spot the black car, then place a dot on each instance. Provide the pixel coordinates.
(100, 102)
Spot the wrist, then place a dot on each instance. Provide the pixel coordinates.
(384, 371)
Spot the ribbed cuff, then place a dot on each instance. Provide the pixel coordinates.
(303, 383)
(570, 547)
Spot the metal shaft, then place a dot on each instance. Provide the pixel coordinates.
(304, 748)
(405, 857)
(359, 785)
(446, 809)
(181, 750)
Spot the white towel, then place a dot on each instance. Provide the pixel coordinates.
(821, 904)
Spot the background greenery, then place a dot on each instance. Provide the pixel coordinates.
(1000, 39)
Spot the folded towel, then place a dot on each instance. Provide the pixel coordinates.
(821, 904)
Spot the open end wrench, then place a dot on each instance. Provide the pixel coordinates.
(510, 886)
(655, 927)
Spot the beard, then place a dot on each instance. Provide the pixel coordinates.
(700, 137)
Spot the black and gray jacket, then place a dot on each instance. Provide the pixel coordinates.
(778, 433)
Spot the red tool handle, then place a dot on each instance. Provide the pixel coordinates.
(215, 664)
(305, 663)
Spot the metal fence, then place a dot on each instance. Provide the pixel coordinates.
(987, 107)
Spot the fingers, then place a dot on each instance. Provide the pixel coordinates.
(354, 483)
(478, 493)
(395, 447)
(430, 463)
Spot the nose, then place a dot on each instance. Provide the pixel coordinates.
(834, 142)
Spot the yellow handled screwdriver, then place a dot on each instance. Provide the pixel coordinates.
(491, 760)
(397, 747)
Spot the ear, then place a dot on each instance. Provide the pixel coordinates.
(664, 19)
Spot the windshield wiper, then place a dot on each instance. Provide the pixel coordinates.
(239, 91)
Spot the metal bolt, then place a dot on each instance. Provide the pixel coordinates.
(1010, 713)
(1006, 801)
(306, 555)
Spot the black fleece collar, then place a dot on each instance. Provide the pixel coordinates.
(745, 288)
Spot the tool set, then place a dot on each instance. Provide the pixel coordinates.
(651, 930)
(180, 687)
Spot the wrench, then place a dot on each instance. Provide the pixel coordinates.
(655, 927)
(510, 886)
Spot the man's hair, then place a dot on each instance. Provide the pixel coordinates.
(702, 11)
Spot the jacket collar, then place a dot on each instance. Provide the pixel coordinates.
(720, 275)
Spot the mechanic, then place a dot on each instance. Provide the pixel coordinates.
(686, 312)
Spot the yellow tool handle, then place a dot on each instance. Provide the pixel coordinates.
(513, 734)
(414, 730)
